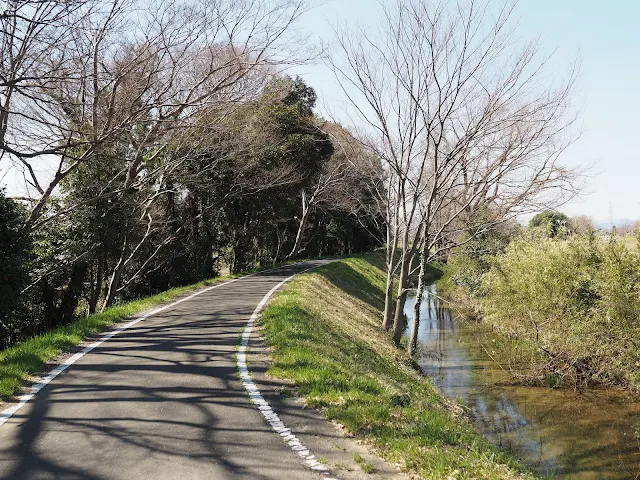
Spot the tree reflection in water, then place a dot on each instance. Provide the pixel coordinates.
(566, 433)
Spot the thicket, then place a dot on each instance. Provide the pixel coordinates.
(15, 253)
(576, 300)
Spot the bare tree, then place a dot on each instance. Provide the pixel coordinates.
(32, 57)
(464, 121)
(138, 72)
(350, 172)
(583, 224)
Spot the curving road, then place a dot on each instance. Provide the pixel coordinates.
(161, 400)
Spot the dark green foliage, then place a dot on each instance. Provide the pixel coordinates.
(255, 223)
(552, 223)
(15, 255)
(14, 248)
(301, 96)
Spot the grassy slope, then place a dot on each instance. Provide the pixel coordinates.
(324, 330)
(20, 363)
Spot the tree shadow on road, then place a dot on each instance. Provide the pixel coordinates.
(164, 399)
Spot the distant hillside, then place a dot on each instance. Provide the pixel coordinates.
(617, 222)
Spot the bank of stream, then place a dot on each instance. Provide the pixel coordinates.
(561, 433)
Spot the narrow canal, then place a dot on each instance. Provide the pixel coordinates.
(561, 433)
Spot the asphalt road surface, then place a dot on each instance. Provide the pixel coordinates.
(161, 400)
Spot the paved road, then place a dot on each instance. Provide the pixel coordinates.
(161, 400)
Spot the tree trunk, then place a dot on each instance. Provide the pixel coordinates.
(392, 245)
(388, 301)
(413, 339)
(114, 283)
(207, 265)
(403, 283)
(72, 294)
(301, 226)
(95, 294)
(49, 300)
(4, 114)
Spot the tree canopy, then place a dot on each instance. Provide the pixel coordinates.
(552, 222)
(180, 154)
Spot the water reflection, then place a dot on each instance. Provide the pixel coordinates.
(591, 434)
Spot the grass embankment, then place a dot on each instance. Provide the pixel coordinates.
(325, 333)
(20, 363)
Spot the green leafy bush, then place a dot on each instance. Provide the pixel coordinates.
(472, 260)
(578, 300)
(553, 224)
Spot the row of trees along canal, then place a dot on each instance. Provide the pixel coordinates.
(469, 122)
(175, 146)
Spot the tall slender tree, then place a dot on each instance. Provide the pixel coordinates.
(463, 120)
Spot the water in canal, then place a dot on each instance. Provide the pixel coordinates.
(562, 433)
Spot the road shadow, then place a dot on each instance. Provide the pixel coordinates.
(163, 399)
(357, 284)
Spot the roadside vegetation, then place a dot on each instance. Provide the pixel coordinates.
(325, 335)
(173, 154)
(573, 298)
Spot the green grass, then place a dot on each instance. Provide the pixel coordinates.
(325, 334)
(364, 465)
(20, 363)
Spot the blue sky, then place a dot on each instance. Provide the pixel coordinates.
(605, 37)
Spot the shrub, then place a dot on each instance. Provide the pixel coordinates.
(553, 224)
(472, 260)
(577, 299)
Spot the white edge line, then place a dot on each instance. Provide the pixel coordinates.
(7, 413)
(258, 400)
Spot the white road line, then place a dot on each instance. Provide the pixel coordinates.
(7, 413)
(256, 397)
